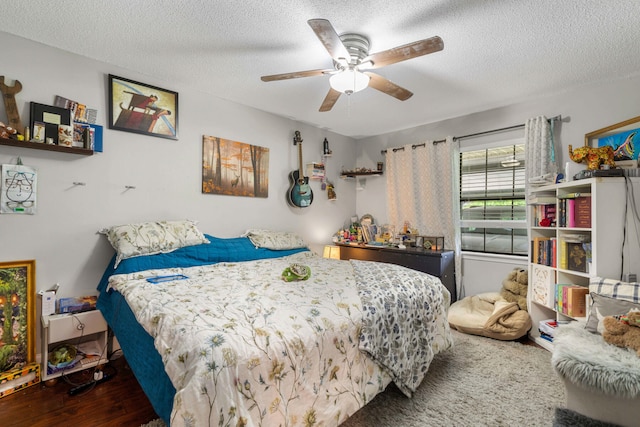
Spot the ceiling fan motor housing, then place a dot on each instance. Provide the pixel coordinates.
(357, 45)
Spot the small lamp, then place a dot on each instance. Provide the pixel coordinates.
(332, 252)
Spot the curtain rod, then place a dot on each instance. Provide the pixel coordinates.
(471, 135)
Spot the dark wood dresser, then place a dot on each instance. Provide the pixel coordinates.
(437, 263)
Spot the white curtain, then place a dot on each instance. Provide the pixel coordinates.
(540, 159)
(422, 190)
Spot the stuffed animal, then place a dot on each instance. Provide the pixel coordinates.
(623, 331)
(593, 156)
(514, 287)
(7, 131)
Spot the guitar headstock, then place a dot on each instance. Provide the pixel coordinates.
(297, 138)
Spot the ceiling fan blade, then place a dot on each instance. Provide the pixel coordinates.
(404, 52)
(329, 38)
(383, 85)
(330, 100)
(295, 75)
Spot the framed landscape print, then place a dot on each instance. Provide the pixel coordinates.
(17, 314)
(234, 168)
(141, 108)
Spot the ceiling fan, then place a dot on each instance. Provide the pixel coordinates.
(350, 53)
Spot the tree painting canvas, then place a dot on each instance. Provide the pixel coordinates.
(234, 168)
(17, 314)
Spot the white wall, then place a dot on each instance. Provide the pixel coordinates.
(62, 237)
(584, 110)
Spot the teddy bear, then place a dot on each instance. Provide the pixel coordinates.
(623, 331)
(514, 287)
(7, 131)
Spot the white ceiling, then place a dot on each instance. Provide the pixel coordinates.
(496, 52)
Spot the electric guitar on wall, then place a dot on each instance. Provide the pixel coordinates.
(300, 194)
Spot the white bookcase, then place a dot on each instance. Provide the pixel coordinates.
(87, 329)
(611, 217)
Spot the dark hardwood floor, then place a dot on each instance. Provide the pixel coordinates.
(117, 402)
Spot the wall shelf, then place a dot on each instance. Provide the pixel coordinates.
(47, 147)
(356, 174)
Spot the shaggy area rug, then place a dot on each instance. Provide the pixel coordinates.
(568, 418)
(479, 382)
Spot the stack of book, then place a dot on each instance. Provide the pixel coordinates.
(547, 328)
(574, 210)
(543, 251)
(571, 300)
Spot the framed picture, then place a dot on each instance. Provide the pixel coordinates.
(622, 137)
(142, 108)
(17, 314)
(52, 117)
(38, 132)
(234, 168)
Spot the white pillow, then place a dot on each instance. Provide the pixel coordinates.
(148, 238)
(276, 240)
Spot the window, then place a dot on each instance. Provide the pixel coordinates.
(492, 199)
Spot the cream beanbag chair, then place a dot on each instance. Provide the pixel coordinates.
(489, 315)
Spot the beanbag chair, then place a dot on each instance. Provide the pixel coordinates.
(489, 315)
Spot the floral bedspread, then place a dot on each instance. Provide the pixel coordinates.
(244, 348)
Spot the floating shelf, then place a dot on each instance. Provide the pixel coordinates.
(46, 147)
(355, 174)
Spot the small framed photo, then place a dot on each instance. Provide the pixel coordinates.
(38, 132)
(52, 117)
(141, 108)
(621, 137)
(65, 135)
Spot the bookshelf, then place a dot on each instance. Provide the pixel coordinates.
(585, 215)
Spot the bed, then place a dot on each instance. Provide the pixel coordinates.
(222, 339)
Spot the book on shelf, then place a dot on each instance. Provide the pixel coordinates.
(574, 195)
(559, 295)
(543, 285)
(562, 252)
(576, 302)
(582, 213)
(537, 199)
(576, 257)
(549, 326)
(546, 336)
(539, 250)
(545, 215)
(570, 215)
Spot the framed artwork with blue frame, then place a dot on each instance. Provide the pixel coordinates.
(623, 137)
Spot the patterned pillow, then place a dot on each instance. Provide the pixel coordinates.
(148, 238)
(628, 291)
(276, 240)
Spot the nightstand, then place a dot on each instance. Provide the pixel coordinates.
(87, 331)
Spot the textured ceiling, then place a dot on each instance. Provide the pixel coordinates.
(496, 52)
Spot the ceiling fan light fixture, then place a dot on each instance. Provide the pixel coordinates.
(349, 81)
